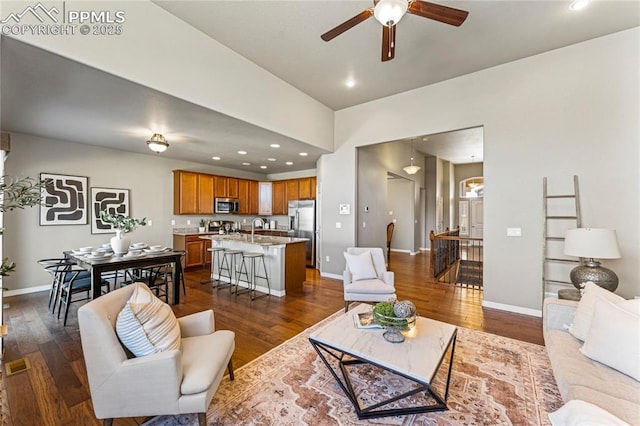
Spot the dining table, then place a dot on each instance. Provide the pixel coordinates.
(113, 263)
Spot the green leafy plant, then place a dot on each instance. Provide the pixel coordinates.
(121, 222)
(18, 193)
(202, 222)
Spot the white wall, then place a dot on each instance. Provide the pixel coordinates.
(569, 111)
(400, 195)
(158, 50)
(148, 177)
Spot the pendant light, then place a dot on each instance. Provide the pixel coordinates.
(411, 169)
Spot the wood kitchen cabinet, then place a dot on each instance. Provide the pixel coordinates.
(185, 192)
(205, 194)
(220, 186)
(254, 197)
(307, 188)
(278, 198)
(248, 196)
(264, 197)
(292, 190)
(232, 187)
(197, 254)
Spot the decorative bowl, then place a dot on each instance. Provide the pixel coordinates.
(394, 325)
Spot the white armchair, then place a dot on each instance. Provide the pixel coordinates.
(364, 280)
(166, 383)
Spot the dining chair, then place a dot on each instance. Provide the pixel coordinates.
(155, 277)
(72, 279)
(52, 266)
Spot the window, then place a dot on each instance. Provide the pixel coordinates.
(472, 187)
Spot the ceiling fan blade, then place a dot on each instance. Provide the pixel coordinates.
(335, 32)
(388, 42)
(438, 12)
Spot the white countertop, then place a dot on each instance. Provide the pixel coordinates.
(261, 240)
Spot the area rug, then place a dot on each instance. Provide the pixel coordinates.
(495, 381)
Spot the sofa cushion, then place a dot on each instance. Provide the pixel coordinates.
(584, 313)
(361, 266)
(623, 409)
(572, 369)
(146, 324)
(204, 359)
(372, 286)
(614, 336)
(581, 413)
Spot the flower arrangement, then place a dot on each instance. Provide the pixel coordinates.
(395, 316)
(122, 223)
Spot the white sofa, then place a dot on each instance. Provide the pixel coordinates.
(580, 378)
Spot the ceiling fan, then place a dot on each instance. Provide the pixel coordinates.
(389, 13)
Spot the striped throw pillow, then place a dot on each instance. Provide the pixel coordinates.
(147, 325)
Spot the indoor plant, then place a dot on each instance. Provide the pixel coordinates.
(202, 228)
(123, 225)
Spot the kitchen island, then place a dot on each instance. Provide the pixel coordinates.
(284, 258)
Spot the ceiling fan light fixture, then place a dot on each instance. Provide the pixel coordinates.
(578, 4)
(157, 143)
(389, 12)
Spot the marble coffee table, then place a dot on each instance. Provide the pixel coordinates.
(417, 359)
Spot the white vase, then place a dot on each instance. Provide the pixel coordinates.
(120, 244)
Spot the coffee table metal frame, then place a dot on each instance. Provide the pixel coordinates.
(346, 359)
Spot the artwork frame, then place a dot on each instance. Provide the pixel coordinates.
(64, 200)
(114, 200)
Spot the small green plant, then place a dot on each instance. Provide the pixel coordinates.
(202, 222)
(121, 222)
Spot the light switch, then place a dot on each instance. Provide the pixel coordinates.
(173, 222)
(149, 222)
(188, 222)
(514, 232)
(364, 224)
(338, 225)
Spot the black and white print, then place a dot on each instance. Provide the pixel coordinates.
(115, 201)
(64, 200)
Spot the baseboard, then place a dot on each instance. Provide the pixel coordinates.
(425, 249)
(511, 308)
(400, 251)
(28, 290)
(330, 275)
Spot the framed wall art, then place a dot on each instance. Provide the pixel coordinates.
(64, 200)
(115, 201)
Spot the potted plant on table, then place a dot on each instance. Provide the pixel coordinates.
(123, 225)
(201, 228)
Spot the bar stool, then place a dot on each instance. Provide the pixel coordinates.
(216, 261)
(230, 263)
(253, 259)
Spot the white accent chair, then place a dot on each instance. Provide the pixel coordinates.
(166, 383)
(373, 289)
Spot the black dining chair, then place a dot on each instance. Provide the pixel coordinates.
(53, 266)
(72, 279)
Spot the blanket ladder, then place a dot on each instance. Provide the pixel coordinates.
(560, 213)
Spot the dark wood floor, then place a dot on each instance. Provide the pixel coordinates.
(54, 391)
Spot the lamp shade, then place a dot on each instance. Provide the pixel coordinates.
(594, 243)
(411, 170)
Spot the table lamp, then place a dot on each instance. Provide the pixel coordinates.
(592, 243)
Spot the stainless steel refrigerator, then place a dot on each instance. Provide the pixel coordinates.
(302, 224)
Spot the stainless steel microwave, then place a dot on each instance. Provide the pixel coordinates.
(226, 205)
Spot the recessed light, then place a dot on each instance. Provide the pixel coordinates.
(274, 145)
(350, 83)
(242, 152)
(215, 158)
(578, 4)
(263, 167)
(303, 154)
(246, 164)
(271, 159)
(289, 163)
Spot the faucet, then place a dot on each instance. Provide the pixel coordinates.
(253, 222)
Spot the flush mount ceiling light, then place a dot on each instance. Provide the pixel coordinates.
(274, 145)
(411, 169)
(158, 143)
